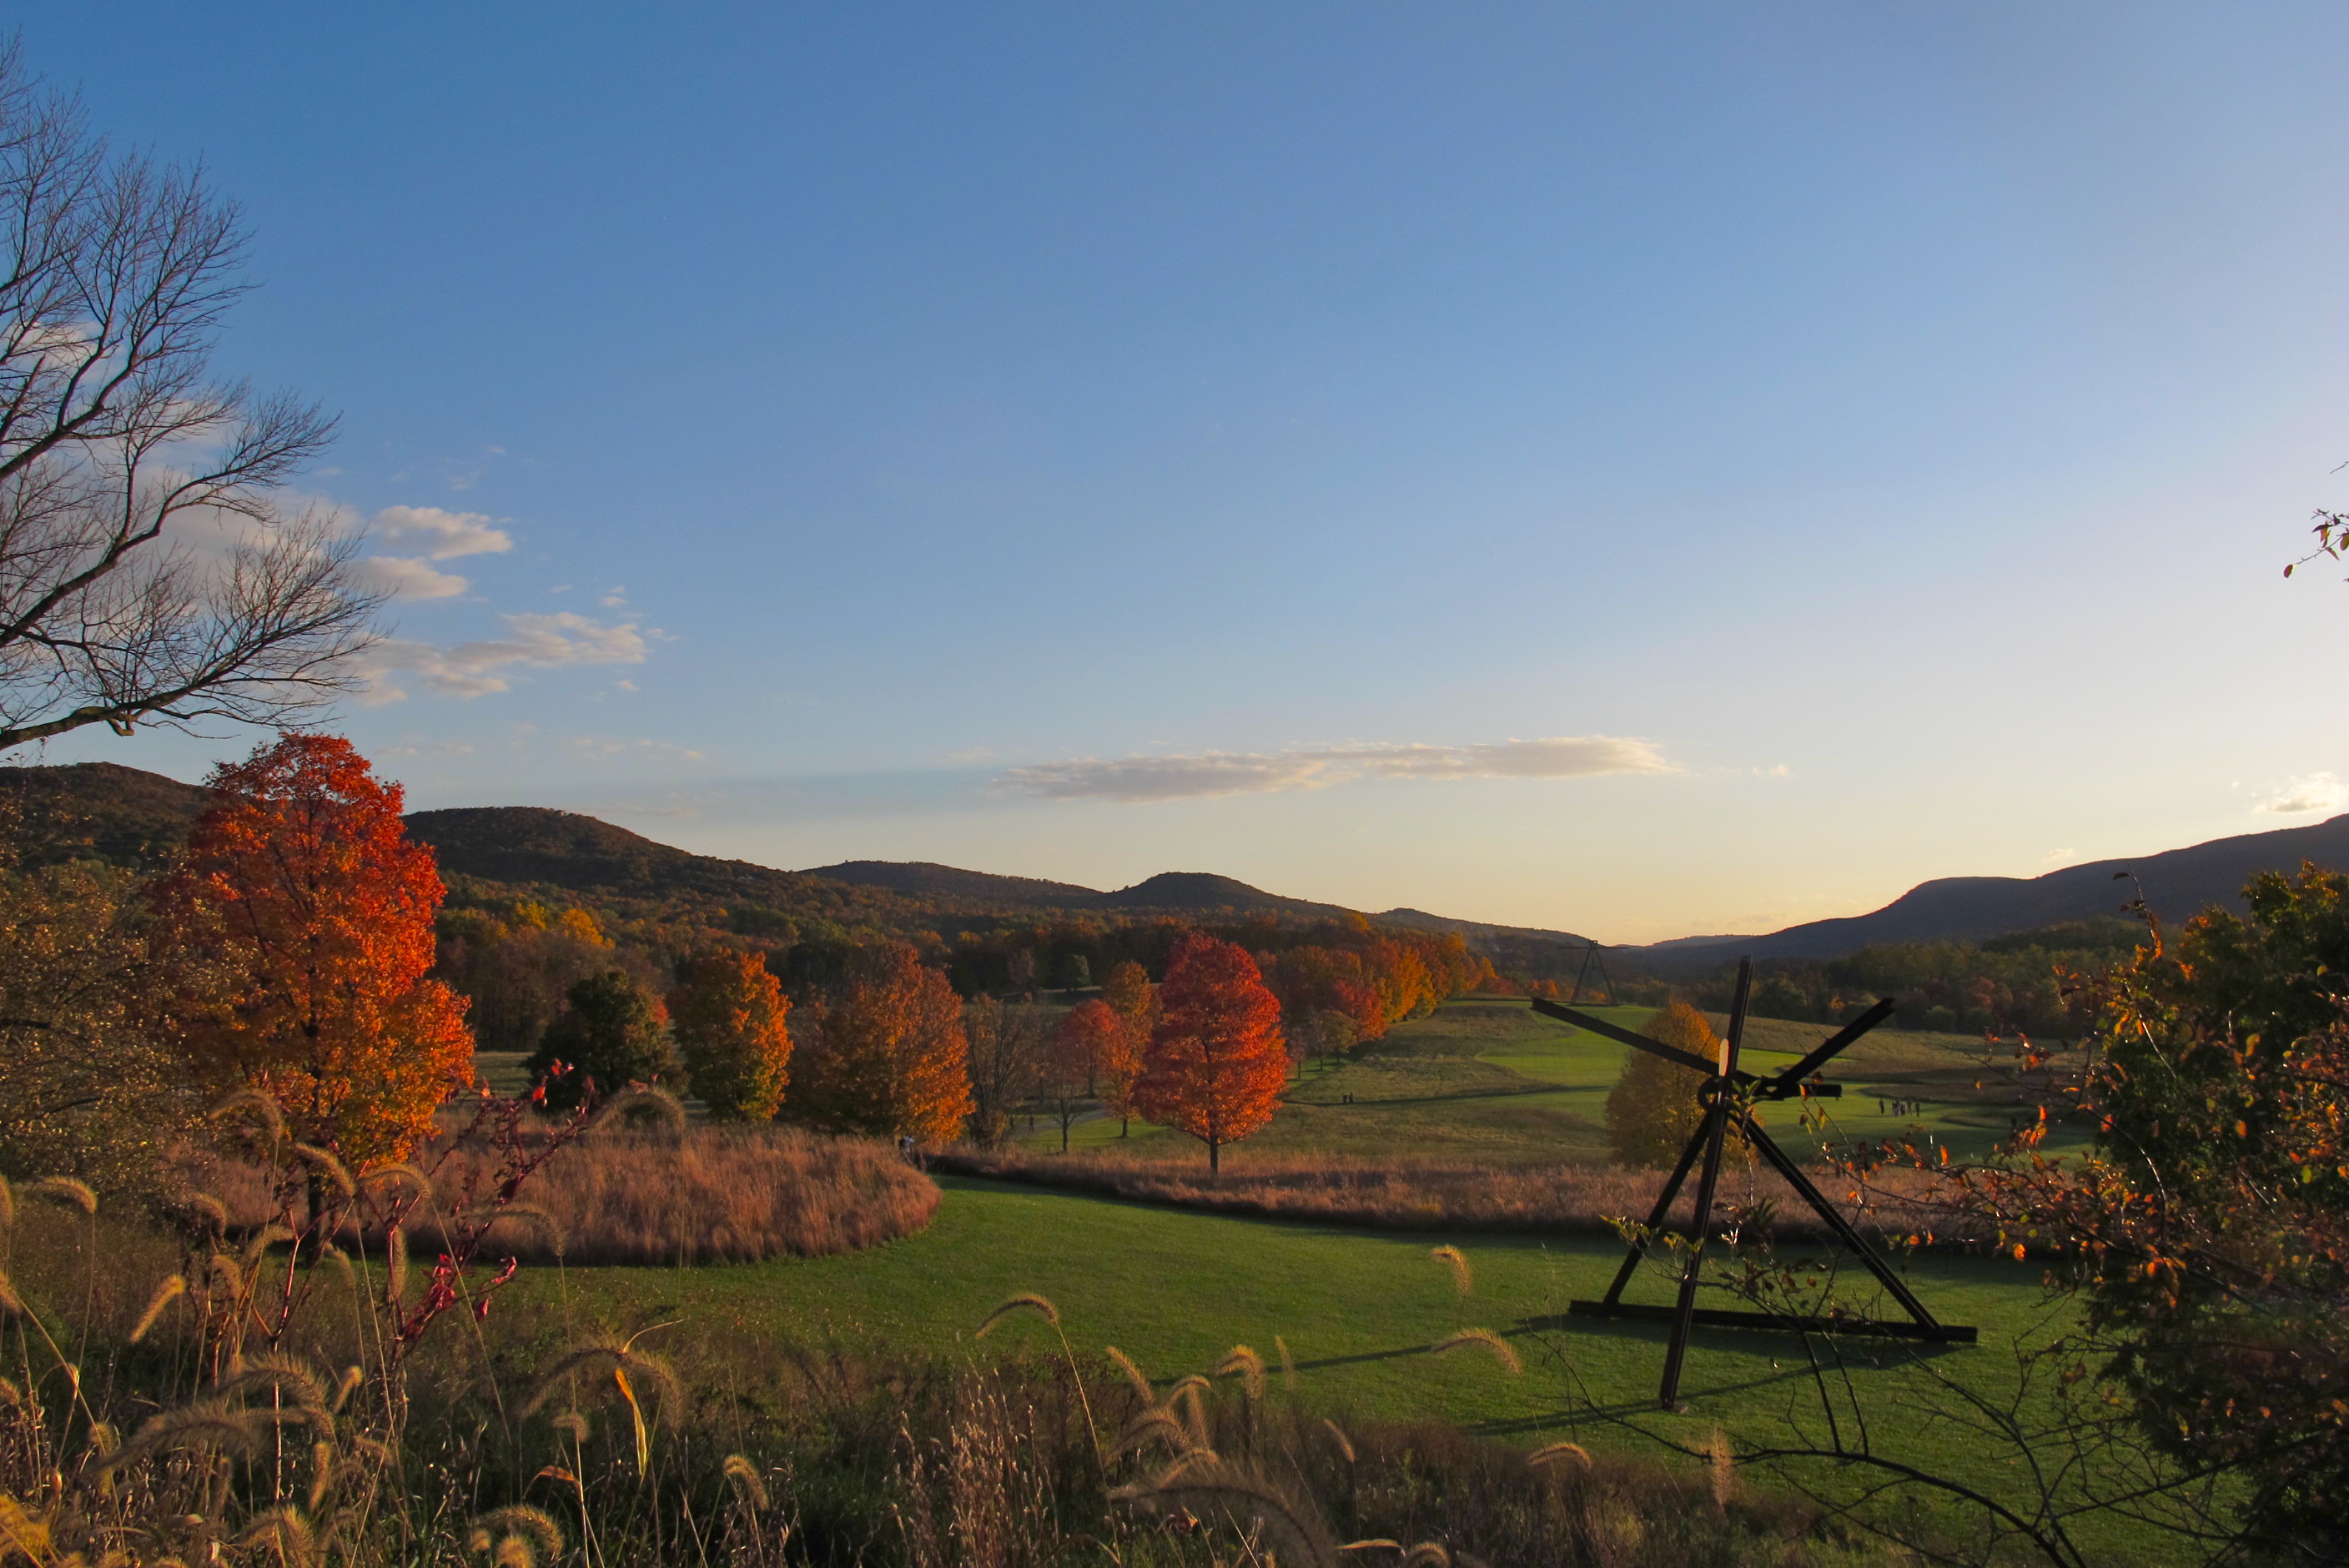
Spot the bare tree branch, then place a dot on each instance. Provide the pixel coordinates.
(150, 572)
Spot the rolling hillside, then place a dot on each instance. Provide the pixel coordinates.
(2176, 882)
(132, 818)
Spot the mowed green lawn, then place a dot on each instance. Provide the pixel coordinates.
(1487, 1080)
(1360, 1312)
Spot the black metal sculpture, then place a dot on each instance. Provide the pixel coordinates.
(1728, 1097)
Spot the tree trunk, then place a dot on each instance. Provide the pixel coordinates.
(1215, 1152)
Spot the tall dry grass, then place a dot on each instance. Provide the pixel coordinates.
(708, 1195)
(518, 1442)
(1432, 1195)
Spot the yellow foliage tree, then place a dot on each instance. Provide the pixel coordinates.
(729, 1017)
(1652, 1111)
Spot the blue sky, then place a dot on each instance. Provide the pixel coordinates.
(1872, 434)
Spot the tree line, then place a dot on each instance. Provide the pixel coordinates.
(298, 944)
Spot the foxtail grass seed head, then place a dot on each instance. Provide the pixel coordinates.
(11, 1396)
(1453, 1258)
(1427, 1554)
(655, 1105)
(289, 1375)
(1026, 1301)
(334, 1256)
(7, 1205)
(344, 1387)
(322, 1473)
(1134, 1376)
(748, 1486)
(285, 1531)
(222, 1277)
(1721, 1468)
(170, 1291)
(1152, 1425)
(66, 1190)
(549, 1228)
(1500, 1349)
(10, 1301)
(257, 1245)
(1288, 1363)
(209, 1214)
(572, 1425)
(395, 1251)
(534, 1527)
(257, 1109)
(1248, 1366)
(1560, 1455)
(419, 1184)
(1337, 1436)
(326, 1164)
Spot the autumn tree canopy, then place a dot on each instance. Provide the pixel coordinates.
(1652, 1111)
(2208, 1229)
(295, 931)
(729, 1019)
(886, 1054)
(1215, 1063)
(613, 1034)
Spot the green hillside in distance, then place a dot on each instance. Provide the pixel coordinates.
(95, 811)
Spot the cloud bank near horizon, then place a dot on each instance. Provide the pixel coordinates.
(2309, 792)
(1212, 773)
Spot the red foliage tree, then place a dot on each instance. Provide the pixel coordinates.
(1215, 1063)
(295, 931)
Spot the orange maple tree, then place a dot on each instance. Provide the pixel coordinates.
(1215, 1063)
(295, 931)
(888, 1053)
(729, 1019)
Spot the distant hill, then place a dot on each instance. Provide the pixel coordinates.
(1201, 892)
(97, 811)
(1478, 931)
(2177, 884)
(927, 879)
(533, 846)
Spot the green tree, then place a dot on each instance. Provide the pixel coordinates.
(1652, 1111)
(730, 1017)
(613, 1034)
(84, 1090)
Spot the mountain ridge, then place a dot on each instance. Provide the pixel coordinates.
(130, 817)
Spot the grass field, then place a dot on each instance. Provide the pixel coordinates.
(1359, 1310)
(1487, 1079)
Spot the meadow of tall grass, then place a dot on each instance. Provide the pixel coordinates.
(1434, 1195)
(166, 1427)
(656, 1194)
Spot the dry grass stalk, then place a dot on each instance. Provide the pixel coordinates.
(1248, 1366)
(748, 1486)
(1453, 1258)
(170, 1291)
(1500, 1349)
(66, 1190)
(1026, 1301)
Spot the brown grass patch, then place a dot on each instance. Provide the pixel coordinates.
(1430, 1195)
(716, 1195)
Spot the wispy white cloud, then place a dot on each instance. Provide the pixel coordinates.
(2311, 792)
(476, 669)
(1182, 778)
(406, 577)
(443, 535)
(603, 748)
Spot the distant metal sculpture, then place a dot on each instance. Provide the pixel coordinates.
(1728, 1097)
(1589, 958)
